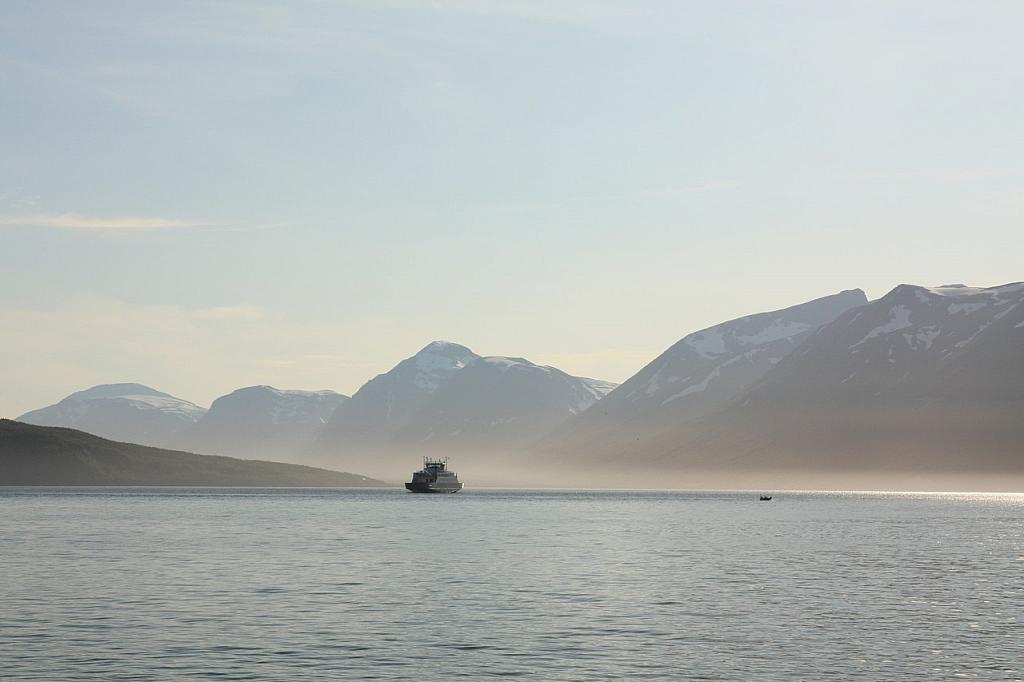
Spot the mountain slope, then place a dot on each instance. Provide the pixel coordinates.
(925, 385)
(128, 412)
(262, 421)
(697, 375)
(447, 399)
(39, 455)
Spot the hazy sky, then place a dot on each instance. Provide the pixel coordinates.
(202, 196)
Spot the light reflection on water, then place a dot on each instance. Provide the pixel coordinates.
(277, 583)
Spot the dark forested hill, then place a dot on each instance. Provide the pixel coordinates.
(43, 455)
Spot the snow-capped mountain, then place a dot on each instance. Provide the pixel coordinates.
(916, 343)
(499, 403)
(698, 374)
(262, 422)
(708, 368)
(384, 404)
(123, 412)
(924, 386)
(447, 399)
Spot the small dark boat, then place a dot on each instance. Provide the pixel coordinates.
(766, 498)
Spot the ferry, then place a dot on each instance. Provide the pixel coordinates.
(434, 477)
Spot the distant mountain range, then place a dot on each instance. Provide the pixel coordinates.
(257, 421)
(443, 400)
(42, 455)
(446, 399)
(921, 383)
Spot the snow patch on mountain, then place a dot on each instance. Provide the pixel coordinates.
(653, 385)
(779, 330)
(957, 290)
(299, 393)
(702, 386)
(955, 308)
(967, 341)
(708, 343)
(591, 391)
(504, 364)
(962, 290)
(900, 319)
(598, 387)
(1000, 315)
(168, 404)
(436, 361)
(116, 391)
(923, 338)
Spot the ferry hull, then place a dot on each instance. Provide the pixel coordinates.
(428, 488)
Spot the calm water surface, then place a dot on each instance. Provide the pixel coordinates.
(107, 583)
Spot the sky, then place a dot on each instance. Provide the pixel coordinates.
(201, 196)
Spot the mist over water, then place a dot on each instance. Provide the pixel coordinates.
(321, 584)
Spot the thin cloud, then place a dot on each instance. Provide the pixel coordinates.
(633, 195)
(687, 189)
(229, 313)
(75, 221)
(18, 200)
(574, 11)
(952, 175)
